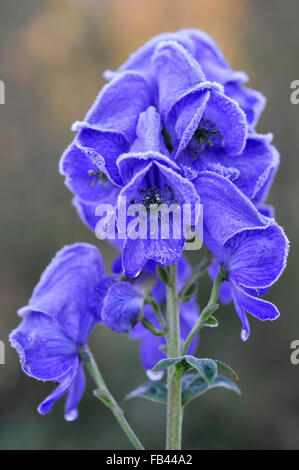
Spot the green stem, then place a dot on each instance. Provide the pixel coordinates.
(149, 326)
(104, 394)
(208, 310)
(174, 400)
(156, 308)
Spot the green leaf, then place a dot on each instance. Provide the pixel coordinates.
(211, 322)
(207, 368)
(163, 274)
(153, 391)
(223, 366)
(194, 386)
(165, 363)
(190, 293)
(104, 396)
(149, 326)
(152, 302)
(208, 311)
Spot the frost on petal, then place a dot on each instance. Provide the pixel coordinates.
(67, 290)
(122, 307)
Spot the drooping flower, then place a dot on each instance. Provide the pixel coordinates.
(124, 301)
(56, 323)
(251, 247)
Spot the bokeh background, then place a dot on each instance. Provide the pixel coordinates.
(52, 55)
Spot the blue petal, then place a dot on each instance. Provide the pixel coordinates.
(76, 166)
(149, 133)
(131, 164)
(177, 74)
(229, 119)
(103, 148)
(226, 211)
(257, 257)
(164, 252)
(251, 101)
(45, 351)
(122, 307)
(259, 308)
(64, 385)
(75, 394)
(257, 166)
(133, 257)
(67, 290)
(140, 60)
(118, 105)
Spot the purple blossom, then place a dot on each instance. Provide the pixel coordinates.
(251, 247)
(207, 54)
(63, 309)
(123, 303)
(173, 111)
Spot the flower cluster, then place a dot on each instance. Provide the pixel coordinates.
(174, 125)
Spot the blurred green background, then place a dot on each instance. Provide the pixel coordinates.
(52, 55)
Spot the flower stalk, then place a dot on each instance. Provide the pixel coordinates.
(174, 400)
(207, 311)
(103, 394)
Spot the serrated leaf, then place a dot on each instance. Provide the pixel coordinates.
(194, 386)
(153, 391)
(207, 368)
(223, 366)
(165, 363)
(211, 322)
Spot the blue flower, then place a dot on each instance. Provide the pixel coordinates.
(64, 307)
(172, 113)
(251, 247)
(124, 301)
(152, 178)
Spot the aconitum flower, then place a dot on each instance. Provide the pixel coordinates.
(151, 178)
(64, 307)
(124, 301)
(172, 112)
(251, 248)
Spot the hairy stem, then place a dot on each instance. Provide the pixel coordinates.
(105, 396)
(208, 310)
(174, 401)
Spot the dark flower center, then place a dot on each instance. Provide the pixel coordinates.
(98, 177)
(156, 195)
(205, 135)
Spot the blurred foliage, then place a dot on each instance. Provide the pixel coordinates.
(52, 55)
